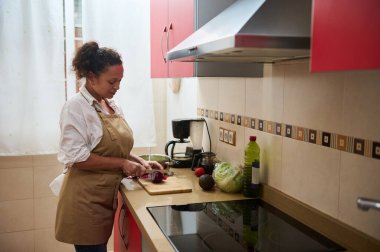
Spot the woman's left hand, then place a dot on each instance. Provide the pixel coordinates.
(152, 165)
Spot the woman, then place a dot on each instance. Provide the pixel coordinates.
(95, 147)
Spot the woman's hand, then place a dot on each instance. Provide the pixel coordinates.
(154, 165)
(147, 164)
(131, 168)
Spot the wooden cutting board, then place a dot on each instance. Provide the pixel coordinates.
(172, 184)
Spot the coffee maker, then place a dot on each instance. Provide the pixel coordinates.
(183, 129)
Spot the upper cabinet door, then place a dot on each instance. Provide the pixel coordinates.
(158, 38)
(181, 25)
(345, 35)
(171, 21)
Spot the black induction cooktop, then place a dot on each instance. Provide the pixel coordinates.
(240, 225)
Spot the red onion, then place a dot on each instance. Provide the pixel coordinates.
(156, 177)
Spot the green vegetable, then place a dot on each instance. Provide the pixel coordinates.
(228, 178)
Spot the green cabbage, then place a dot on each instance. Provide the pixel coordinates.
(228, 178)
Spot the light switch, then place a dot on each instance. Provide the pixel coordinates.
(232, 137)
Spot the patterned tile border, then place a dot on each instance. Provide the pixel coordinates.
(367, 148)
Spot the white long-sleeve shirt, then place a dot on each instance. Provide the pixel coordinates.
(81, 128)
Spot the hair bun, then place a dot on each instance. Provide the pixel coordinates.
(90, 58)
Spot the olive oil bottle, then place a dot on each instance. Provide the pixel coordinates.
(251, 169)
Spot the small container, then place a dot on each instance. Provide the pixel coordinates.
(208, 160)
(168, 166)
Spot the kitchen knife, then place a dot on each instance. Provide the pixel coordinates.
(149, 171)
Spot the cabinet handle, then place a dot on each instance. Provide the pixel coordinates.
(167, 37)
(162, 35)
(122, 233)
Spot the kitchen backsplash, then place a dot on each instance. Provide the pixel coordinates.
(318, 133)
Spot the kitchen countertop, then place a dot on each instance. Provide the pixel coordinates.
(137, 200)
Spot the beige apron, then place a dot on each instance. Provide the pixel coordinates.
(88, 199)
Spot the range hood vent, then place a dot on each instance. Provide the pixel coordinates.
(259, 31)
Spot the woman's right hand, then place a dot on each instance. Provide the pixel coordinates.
(131, 168)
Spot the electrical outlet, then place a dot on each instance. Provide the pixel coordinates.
(232, 137)
(221, 134)
(226, 135)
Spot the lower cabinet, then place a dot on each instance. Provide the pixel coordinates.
(127, 236)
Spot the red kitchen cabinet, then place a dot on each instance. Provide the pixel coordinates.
(345, 35)
(127, 235)
(171, 22)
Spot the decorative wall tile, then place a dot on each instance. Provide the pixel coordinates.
(232, 119)
(312, 136)
(270, 127)
(300, 134)
(359, 146)
(364, 147)
(227, 118)
(253, 123)
(288, 131)
(261, 125)
(238, 122)
(246, 122)
(278, 129)
(376, 150)
(342, 143)
(326, 137)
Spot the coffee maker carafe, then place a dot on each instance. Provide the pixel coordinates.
(182, 130)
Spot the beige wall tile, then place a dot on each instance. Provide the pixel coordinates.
(16, 215)
(264, 96)
(46, 160)
(46, 242)
(182, 104)
(232, 95)
(254, 98)
(161, 141)
(44, 212)
(359, 177)
(313, 100)
(208, 93)
(43, 175)
(17, 242)
(361, 108)
(159, 90)
(16, 183)
(16, 162)
(160, 116)
(310, 173)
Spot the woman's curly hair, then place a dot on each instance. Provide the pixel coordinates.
(92, 59)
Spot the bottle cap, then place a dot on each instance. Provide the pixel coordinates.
(252, 138)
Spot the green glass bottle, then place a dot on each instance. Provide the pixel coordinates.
(251, 165)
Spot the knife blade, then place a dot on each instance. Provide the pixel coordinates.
(149, 171)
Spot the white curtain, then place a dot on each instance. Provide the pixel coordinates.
(32, 88)
(124, 26)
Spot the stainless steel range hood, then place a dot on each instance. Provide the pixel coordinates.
(251, 31)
